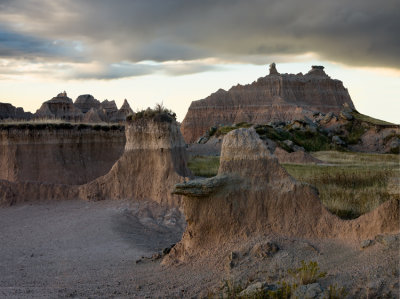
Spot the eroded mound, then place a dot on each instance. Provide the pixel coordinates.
(253, 195)
(154, 160)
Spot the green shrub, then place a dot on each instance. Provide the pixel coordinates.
(284, 291)
(334, 292)
(307, 273)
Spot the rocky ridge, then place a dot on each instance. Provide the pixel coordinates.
(85, 109)
(8, 111)
(290, 141)
(276, 97)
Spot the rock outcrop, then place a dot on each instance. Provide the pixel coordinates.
(86, 102)
(276, 97)
(85, 109)
(252, 195)
(59, 107)
(8, 111)
(58, 153)
(154, 160)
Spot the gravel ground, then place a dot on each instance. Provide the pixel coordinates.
(81, 249)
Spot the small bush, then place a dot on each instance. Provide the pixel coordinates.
(307, 273)
(158, 113)
(334, 292)
(284, 291)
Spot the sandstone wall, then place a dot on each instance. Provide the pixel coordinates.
(60, 154)
(276, 97)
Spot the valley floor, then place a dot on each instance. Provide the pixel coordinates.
(78, 249)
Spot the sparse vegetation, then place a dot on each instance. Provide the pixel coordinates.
(205, 166)
(284, 291)
(307, 273)
(54, 124)
(158, 113)
(365, 118)
(335, 292)
(347, 191)
(223, 130)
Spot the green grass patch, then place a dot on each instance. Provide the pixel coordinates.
(365, 118)
(204, 166)
(311, 141)
(223, 130)
(347, 190)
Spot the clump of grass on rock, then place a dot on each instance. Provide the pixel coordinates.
(158, 113)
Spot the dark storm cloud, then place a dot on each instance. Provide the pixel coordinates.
(358, 32)
(17, 45)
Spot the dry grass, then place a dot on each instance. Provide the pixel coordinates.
(50, 121)
(355, 184)
(204, 166)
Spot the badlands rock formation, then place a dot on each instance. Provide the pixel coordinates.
(58, 153)
(85, 109)
(154, 160)
(8, 111)
(276, 97)
(253, 195)
(59, 107)
(86, 102)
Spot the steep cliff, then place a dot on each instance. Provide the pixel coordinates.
(58, 153)
(252, 195)
(154, 160)
(276, 97)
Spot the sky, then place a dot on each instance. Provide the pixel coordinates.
(177, 51)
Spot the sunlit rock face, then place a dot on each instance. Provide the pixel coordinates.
(275, 97)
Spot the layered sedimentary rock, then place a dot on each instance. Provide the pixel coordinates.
(8, 111)
(252, 195)
(276, 97)
(154, 160)
(86, 102)
(58, 153)
(59, 107)
(85, 109)
(19, 192)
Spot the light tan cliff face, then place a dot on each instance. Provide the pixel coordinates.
(68, 156)
(276, 97)
(153, 162)
(253, 195)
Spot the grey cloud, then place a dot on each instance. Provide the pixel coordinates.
(358, 32)
(126, 69)
(17, 45)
